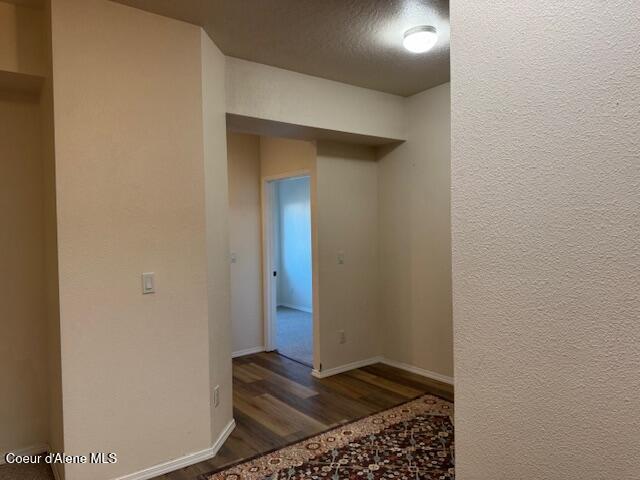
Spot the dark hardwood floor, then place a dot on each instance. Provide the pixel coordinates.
(277, 402)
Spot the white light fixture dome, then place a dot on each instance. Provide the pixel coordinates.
(420, 39)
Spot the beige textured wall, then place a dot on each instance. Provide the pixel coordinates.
(283, 155)
(348, 222)
(56, 438)
(280, 156)
(261, 91)
(415, 245)
(23, 342)
(245, 234)
(546, 229)
(130, 191)
(217, 228)
(21, 39)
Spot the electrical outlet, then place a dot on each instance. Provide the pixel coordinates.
(343, 336)
(216, 395)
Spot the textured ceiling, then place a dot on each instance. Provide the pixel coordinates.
(352, 41)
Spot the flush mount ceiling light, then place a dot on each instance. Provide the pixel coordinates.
(420, 39)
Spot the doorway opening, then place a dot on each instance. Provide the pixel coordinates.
(289, 289)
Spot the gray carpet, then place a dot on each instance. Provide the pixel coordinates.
(294, 337)
(38, 471)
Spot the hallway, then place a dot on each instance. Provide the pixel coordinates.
(277, 402)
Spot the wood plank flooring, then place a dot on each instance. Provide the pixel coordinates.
(277, 402)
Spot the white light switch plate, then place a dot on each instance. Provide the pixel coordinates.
(148, 283)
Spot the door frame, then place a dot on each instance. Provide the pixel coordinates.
(269, 290)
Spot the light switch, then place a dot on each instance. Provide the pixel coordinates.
(341, 258)
(234, 257)
(148, 283)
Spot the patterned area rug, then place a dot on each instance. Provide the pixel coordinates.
(413, 441)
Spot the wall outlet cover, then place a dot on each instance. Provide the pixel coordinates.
(216, 395)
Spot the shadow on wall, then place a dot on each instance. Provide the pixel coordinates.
(415, 237)
(24, 51)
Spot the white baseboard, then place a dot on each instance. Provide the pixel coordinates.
(185, 461)
(393, 363)
(247, 351)
(345, 368)
(31, 450)
(217, 445)
(296, 307)
(419, 371)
